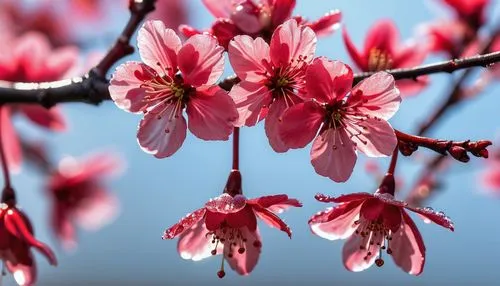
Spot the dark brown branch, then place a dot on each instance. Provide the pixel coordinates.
(457, 149)
(484, 60)
(93, 88)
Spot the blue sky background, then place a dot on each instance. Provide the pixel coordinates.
(154, 193)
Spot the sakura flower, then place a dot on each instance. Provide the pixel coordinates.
(258, 18)
(382, 51)
(16, 240)
(32, 59)
(227, 225)
(172, 12)
(447, 36)
(374, 223)
(174, 77)
(272, 76)
(347, 120)
(491, 177)
(79, 196)
(471, 12)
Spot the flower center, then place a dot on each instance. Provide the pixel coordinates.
(379, 60)
(375, 237)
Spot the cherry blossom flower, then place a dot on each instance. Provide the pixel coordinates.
(272, 76)
(447, 36)
(382, 51)
(374, 223)
(471, 12)
(227, 225)
(79, 196)
(16, 240)
(347, 120)
(490, 178)
(172, 12)
(32, 59)
(172, 78)
(258, 18)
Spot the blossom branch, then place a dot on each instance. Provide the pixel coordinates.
(483, 60)
(93, 88)
(457, 149)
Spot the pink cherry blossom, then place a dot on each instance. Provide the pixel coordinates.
(471, 12)
(16, 241)
(447, 36)
(227, 225)
(172, 12)
(372, 223)
(258, 18)
(31, 58)
(347, 119)
(174, 77)
(272, 76)
(79, 196)
(382, 51)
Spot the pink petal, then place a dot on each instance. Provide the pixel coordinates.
(186, 223)
(408, 249)
(125, 86)
(354, 257)
(97, 210)
(159, 45)
(194, 244)
(99, 165)
(272, 219)
(59, 62)
(48, 118)
(327, 24)
(328, 80)
(380, 98)
(246, 18)
(244, 263)
(300, 124)
(333, 155)
(281, 11)
(250, 99)
(10, 140)
(273, 121)
(439, 218)
(211, 114)
(410, 55)
(383, 36)
(25, 275)
(162, 130)
(17, 225)
(225, 30)
(248, 58)
(201, 60)
(275, 203)
(377, 139)
(409, 87)
(337, 222)
(358, 58)
(63, 227)
(220, 8)
(343, 198)
(291, 42)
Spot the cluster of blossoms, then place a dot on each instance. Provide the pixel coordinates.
(302, 98)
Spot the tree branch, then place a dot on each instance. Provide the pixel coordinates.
(457, 149)
(93, 88)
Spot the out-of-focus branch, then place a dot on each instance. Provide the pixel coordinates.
(93, 88)
(457, 149)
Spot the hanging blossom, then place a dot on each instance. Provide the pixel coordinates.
(227, 225)
(347, 119)
(383, 50)
(16, 240)
(79, 196)
(258, 18)
(31, 58)
(272, 76)
(374, 223)
(172, 78)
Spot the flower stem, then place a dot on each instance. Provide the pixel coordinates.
(394, 161)
(8, 194)
(236, 148)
